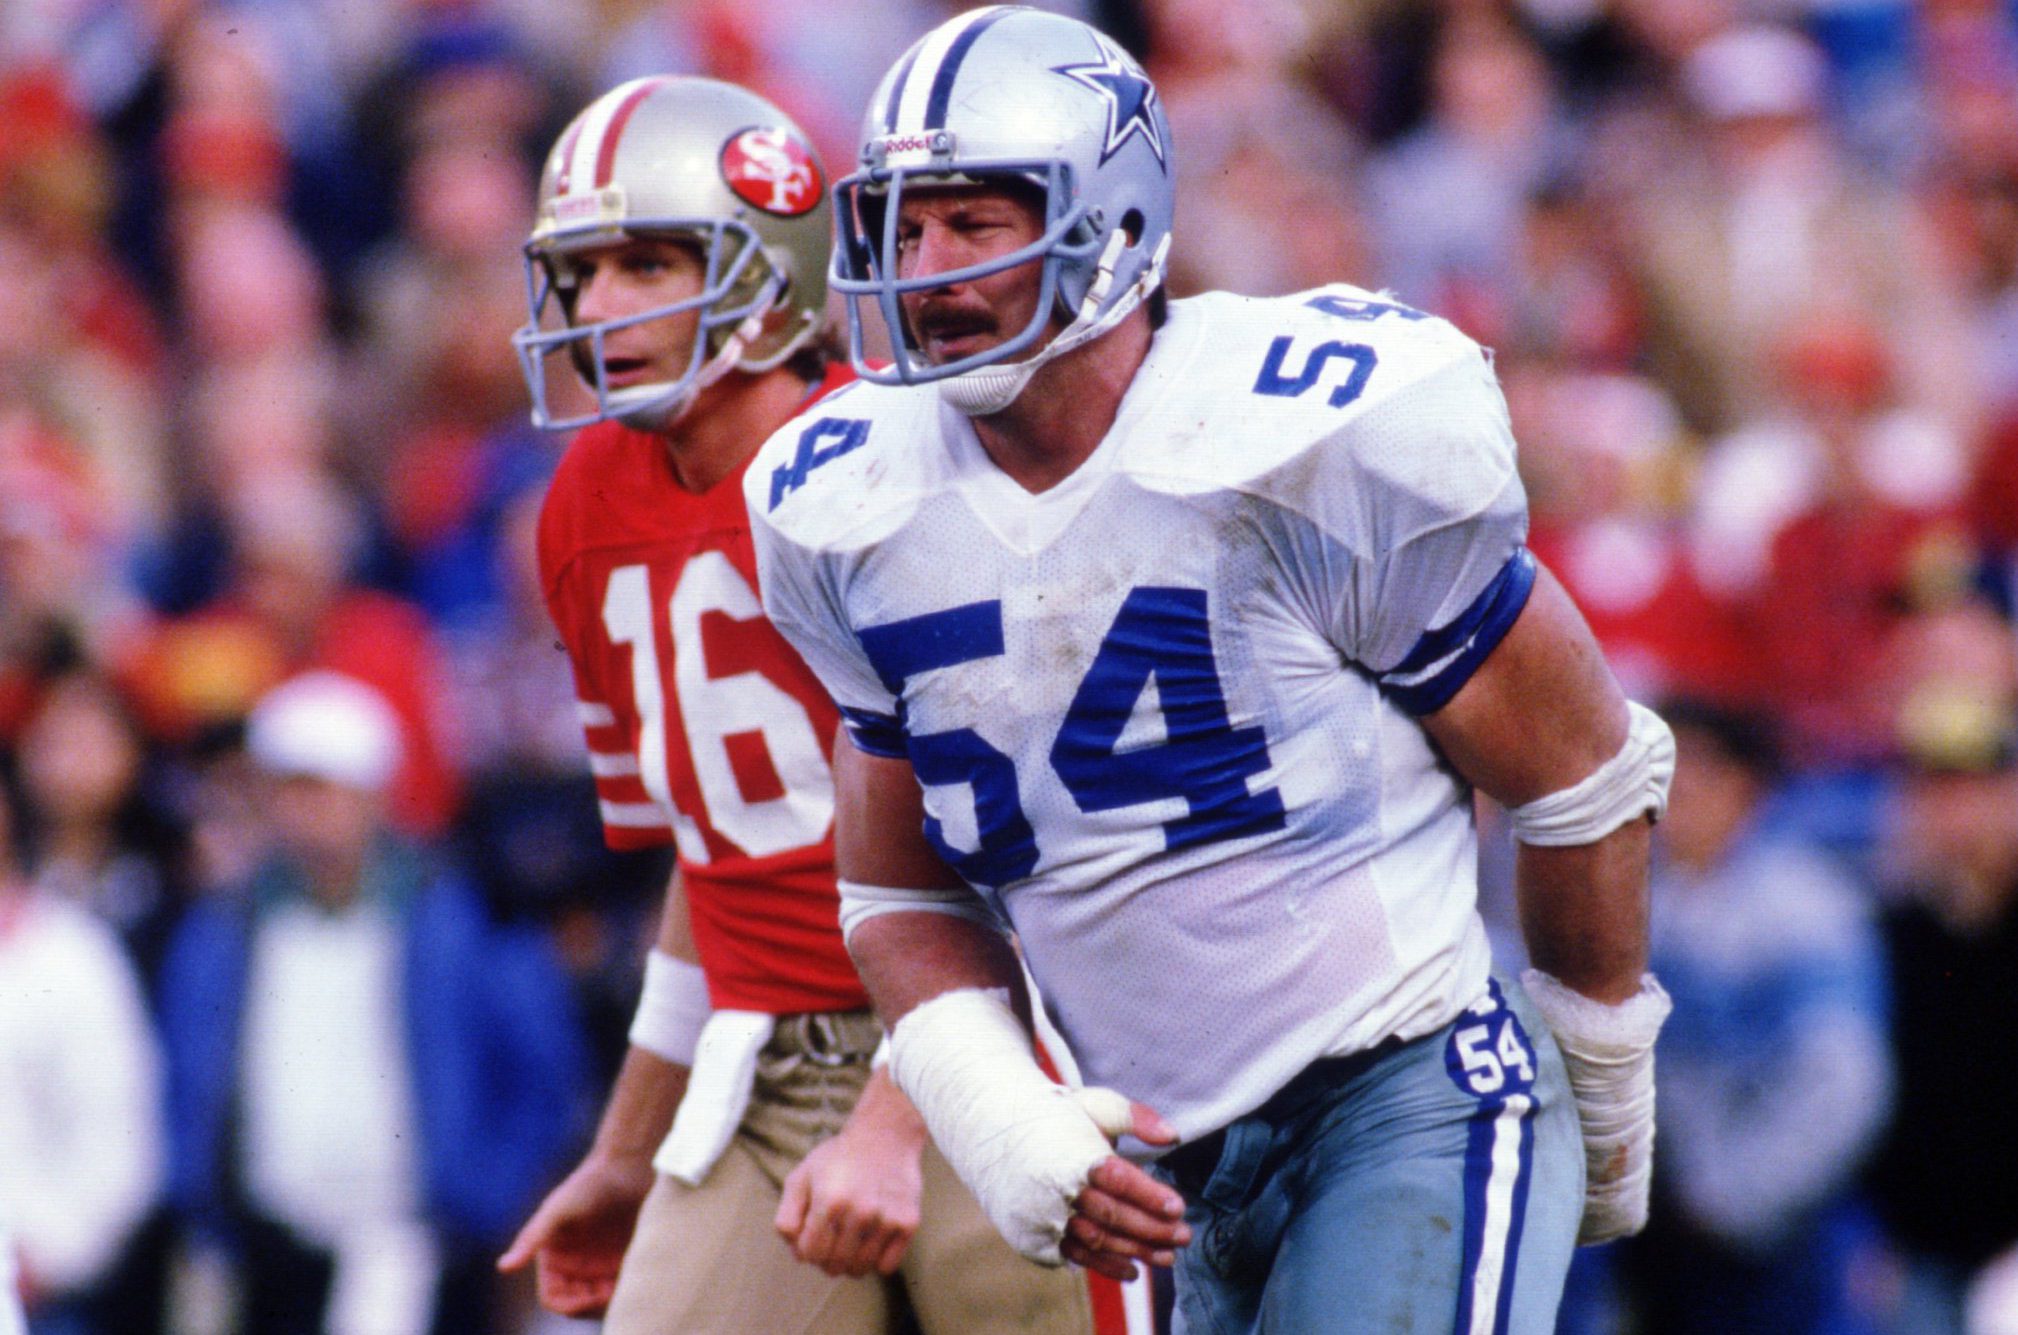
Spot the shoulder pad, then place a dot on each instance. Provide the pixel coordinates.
(1265, 380)
(850, 467)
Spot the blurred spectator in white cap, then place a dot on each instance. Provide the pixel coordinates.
(323, 725)
(80, 1124)
(1774, 223)
(332, 743)
(1749, 73)
(370, 1078)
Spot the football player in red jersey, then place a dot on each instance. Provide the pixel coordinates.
(678, 268)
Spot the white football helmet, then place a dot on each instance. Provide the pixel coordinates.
(1011, 92)
(702, 161)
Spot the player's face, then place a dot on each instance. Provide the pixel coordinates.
(943, 229)
(325, 826)
(630, 278)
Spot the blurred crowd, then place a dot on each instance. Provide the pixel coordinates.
(1750, 272)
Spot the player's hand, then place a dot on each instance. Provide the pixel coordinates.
(578, 1234)
(1125, 1215)
(852, 1205)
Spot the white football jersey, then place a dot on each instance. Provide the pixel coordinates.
(1164, 713)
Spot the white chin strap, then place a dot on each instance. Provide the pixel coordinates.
(986, 390)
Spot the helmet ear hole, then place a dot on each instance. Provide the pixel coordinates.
(1132, 223)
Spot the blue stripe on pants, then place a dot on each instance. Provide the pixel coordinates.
(1498, 1168)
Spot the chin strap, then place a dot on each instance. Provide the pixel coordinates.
(989, 389)
(660, 414)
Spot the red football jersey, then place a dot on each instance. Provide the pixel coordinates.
(704, 728)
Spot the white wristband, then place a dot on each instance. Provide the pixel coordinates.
(1023, 1144)
(673, 1008)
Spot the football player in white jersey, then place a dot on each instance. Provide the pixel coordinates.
(1174, 637)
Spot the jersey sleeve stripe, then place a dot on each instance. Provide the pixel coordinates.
(877, 734)
(1443, 660)
(624, 788)
(593, 715)
(634, 815)
(612, 765)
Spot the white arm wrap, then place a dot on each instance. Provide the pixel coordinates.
(1024, 1145)
(1630, 784)
(672, 1008)
(859, 903)
(1609, 1053)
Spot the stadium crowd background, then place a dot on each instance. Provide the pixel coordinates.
(1750, 271)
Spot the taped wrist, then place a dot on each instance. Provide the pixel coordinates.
(673, 1008)
(1629, 785)
(1023, 1144)
(1609, 1054)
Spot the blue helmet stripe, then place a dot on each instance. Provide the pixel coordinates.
(949, 68)
(897, 88)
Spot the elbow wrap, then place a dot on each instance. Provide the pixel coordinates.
(1023, 1144)
(860, 902)
(1629, 785)
(673, 1008)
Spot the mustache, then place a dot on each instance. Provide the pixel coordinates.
(953, 322)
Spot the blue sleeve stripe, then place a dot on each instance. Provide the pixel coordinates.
(1455, 651)
(877, 734)
(899, 650)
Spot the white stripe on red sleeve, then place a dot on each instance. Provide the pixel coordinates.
(634, 815)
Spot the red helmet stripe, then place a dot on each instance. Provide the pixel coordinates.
(567, 157)
(606, 156)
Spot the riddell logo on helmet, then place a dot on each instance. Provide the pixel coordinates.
(578, 208)
(772, 169)
(590, 208)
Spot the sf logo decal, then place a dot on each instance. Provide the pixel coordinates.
(772, 169)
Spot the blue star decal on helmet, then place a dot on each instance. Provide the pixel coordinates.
(1130, 98)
